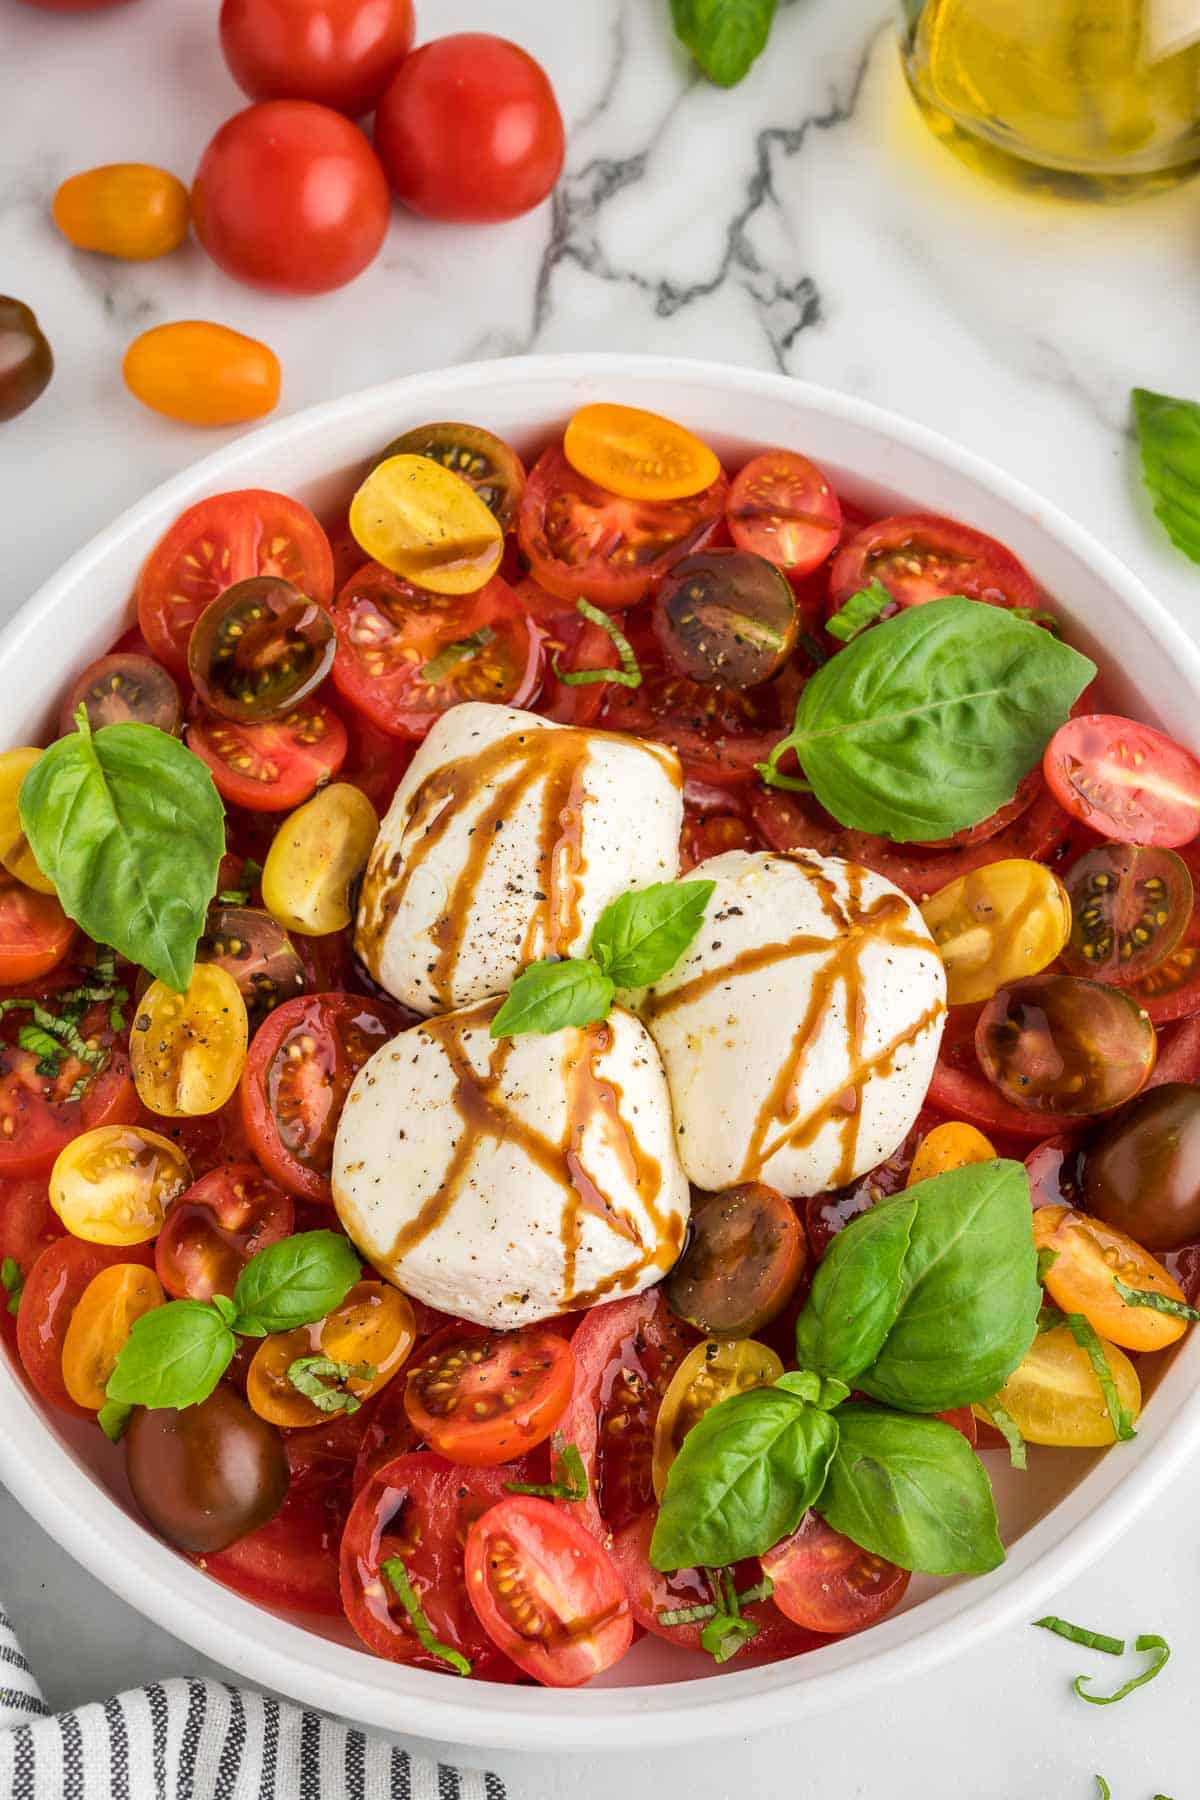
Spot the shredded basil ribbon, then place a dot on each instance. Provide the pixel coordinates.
(572, 1483)
(1148, 1643)
(1079, 1634)
(726, 1632)
(1046, 1261)
(695, 1615)
(630, 672)
(1163, 1303)
(402, 1587)
(12, 1281)
(239, 896)
(1009, 1430)
(311, 1376)
(460, 651)
(1085, 1336)
(860, 610)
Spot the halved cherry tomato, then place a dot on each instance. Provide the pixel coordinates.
(53, 1287)
(1000, 923)
(745, 1254)
(419, 1508)
(256, 951)
(28, 1223)
(130, 210)
(711, 831)
(547, 1594)
(1053, 1396)
(376, 760)
(1125, 780)
(99, 1328)
(713, 1371)
(15, 854)
(582, 540)
(920, 557)
(1171, 990)
(274, 766)
(1053, 1171)
(826, 1583)
(949, 1146)
(725, 618)
(483, 461)
(318, 854)
(113, 1185)
(211, 1231)
(41, 1114)
(297, 1076)
(188, 1050)
(121, 689)
(959, 1089)
(782, 507)
(35, 932)
(486, 1400)
(372, 1329)
(638, 455)
(219, 541)
(572, 644)
(292, 1560)
(1057, 1044)
(202, 373)
(426, 525)
(1129, 909)
(384, 1433)
(259, 649)
(405, 655)
(626, 1354)
(825, 1215)
(1089, 1256)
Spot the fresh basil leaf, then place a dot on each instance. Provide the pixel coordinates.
(926, 724)
(13, 1283)
(726, 1634)
(174, 1356)
(112, 1419)
(911, 1490)
(294, 1282)
(856, 1292)
(859, 611)
(1169, 435)
(825, 1391)
(550, 996)
(969, 1309)
(746, 1474)
(1008, 1428)
(128, 826)
(724, 36)
(643, 934)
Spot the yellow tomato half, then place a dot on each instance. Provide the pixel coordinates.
(638, 455)
(188, 1050)
(427, 525)
(112, 1185)
(997, 925)
(15, 853)
(949, 1146)
(99, 1328)
(1054, 1397)
(314, 858)
(374, 1327)
(1088, 1254)
(713, 1371)
(130, 210)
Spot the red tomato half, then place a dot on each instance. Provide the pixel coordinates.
(38, 1118)
(389, 633)
(709, 831)
(292, 1560)
(296, 1079)
(583, 542)
(469, 129)
(920, 557)
(482, 1400)
(826, 1583)
(341, 53)
(782, 507)
(210, 1233)
(28, 1223)
(290, 196)
(274, 766)
(226, 538)
(53, 1288)
(547, 1594)
(35, 933)
(1125, 780)
(419, 1508)
(573, 645)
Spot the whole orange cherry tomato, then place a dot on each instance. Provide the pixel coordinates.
(105, 1315)
(202, 374)
(130, 210)
(1089, 1258)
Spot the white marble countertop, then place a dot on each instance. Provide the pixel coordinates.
(803, 222)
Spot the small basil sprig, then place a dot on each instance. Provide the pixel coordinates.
(176, 1354)
(724, 36)
(928, 1301)
(1169, 437)
(859, 611)
(322, 1380)
(635, 941)
(128, 826)
(926, 724)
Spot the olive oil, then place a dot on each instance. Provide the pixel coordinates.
(1086, 98)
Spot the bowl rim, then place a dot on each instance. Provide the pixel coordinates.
(265, 1648)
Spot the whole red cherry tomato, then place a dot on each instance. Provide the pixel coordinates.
(469, 129)
(290, 196)
(341, 53)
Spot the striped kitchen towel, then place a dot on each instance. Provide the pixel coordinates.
(201, 1740)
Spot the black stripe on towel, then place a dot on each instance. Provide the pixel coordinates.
(156, 1700)
(23, 1764)
(118, 1749)
(72, 1750)
(270, 1750)
(493, 1787)
(233, 1747)
(401, 1774)
(448, 1786)
(189, 1747)
(356, 1766)
(310, 1756)
(16, 1701)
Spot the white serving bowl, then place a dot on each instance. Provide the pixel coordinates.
(1055, 1519)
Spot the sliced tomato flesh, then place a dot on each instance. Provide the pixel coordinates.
(920, 557)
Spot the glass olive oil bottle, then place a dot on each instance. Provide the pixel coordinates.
(1086, 98)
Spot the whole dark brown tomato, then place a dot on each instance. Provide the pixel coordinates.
(206, 1475)
(26, 363)
(1142, 1172)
